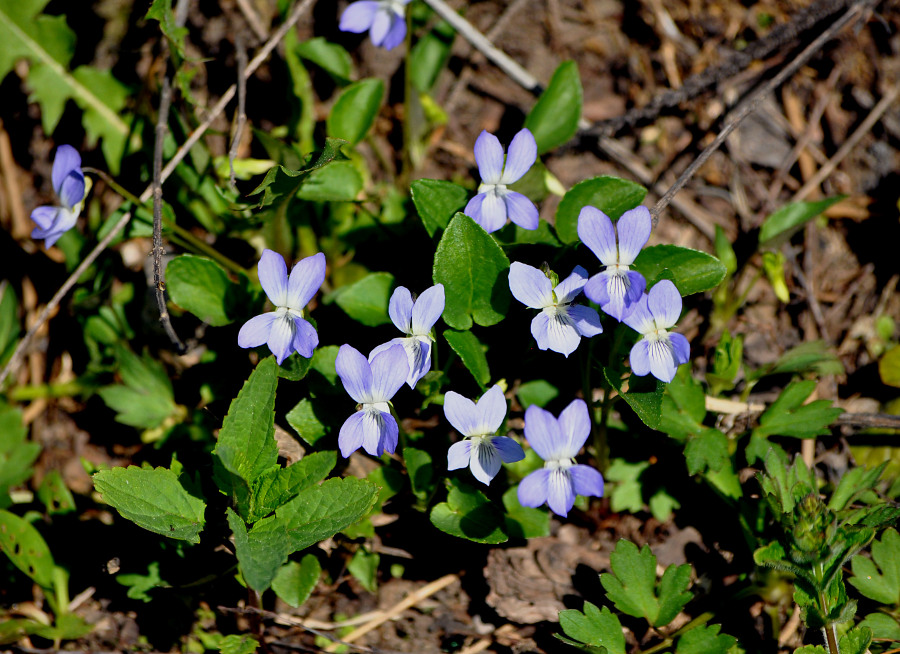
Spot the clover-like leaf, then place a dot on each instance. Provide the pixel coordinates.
(878, 578)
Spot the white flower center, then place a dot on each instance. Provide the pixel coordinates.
(498, 190)
(396, 6)
(559, 464)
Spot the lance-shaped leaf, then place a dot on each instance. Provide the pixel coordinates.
(281, 183)
(788, 416)
(26, 548)
(554, 118)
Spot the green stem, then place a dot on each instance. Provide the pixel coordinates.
(701, 619)
(28, 393)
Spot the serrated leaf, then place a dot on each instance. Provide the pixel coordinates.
(522, 521)
(139, 585)
(437, 202)
(779, 226)
(705, 639)
(612, 195)
(473, 270)
(683, 407)
(692, 271)
(855, 641)
(788, 416)
(882, 626)
(708, 450)
(154, 499)
(596, 627)
(278, 486)
(812, 356)
(26, 548)
(202, 287)
(281, 184)
(295, 582)
(238, 644)
(625, 494)
(366, 301)
(644, 396)
(882, 586)
(554, 119)
(471, 352)
(469, 514)
(355, 109)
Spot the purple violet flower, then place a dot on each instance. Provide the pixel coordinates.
(384, 19)
(494, 202)
(285, 330)
(482, 450)
(557, 442)
(415, 318)
(560, 325)
(372, 383)
(658, 352)
(616, 289)
(68, 182)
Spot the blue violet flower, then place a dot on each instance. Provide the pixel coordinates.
(285, 330)
(385, 21)
(68, 182)
(560, 325)
(659, 352)
(494, 202)
(372, 383)
(482, 450)
(618, 288)
(557, 442)
(415, 318)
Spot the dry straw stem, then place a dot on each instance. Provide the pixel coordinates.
(195, 136)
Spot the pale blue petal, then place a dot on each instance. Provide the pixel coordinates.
(379, 430)
(595, 230)
(532, 490)
(306, 278)
(428, 308)
(530, 286)
(640, 319)
(493, 213)
(389, 371)
(491, 411)
(540, 330)
(680, 348)
(390, 434)
(664, 302)
(358, 17)
(634, 231)
(586, 481)
(381, 25)
(66, 162)
(350, 438)
(458, 455)
(72, 192)
(508, 449)
(662, 363)
(400, 309)
(569, 288)
(473, 207)
(520, 157)
(44, 217)
(596, 288)
(484, 461)
(640, 358)
(281, 337)
(574, 427)
(521, 210)
(305, 338)
(355, 373)
(63, 221)
(378, 349)
(256, 331)
(273, 277)
(462, 413)
(395, 34)
(543, 434)
(489, 157)
(418, 356)
(587, 320)
(560, 494)
(562, 336)
(634, 289)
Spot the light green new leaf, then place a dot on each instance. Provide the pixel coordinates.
(554, 119)
(330, 57)
(26, 548)
(470, 350)
(295, 582)
(883, 586)
(611, 195)
(788, 416)
(238, 644)
(595, 627)
(473, 270)
(469, 514)
(889, 367)
(154, 499)
(779, 227)
(364, 568)
(437, 202)
(202, 287)
(355, 110)
(853, 483)
(705, 639)
(536, 391)
(366, 301)
(139, 585)
(305, 422)
(691, 271)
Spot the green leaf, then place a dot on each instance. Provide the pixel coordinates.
(889, 367)
(202, 287)
(812, 356)
(855, 641)
(554, 119)
(778, 227)
(473, 270)
(280, 485)
(16, 454)
(55, 495)
(355, 110)
(788, 416)
(305, 422)
(471, 352)
(330, 57)
(323, 362)
(596, 627)
(338, 182)
(853, 483)
(429, 55)
(469, 514)
(139, 585)
(281, 184)
(811, 649)
(366, 301)
(437, 202)
(625, 494)
(238, 644)
(294, 368)
(612, 195)
(295, 582)
(705, 639)
(725, 251)
(683, 406)
(9, 320)
(882, 626)
(883, 586)
(709, 451)
(26, 548)
(420, 469)
(537, 391)
(647, 403)
(691, 271)
(364, 567)
(726, 363)
(773, 265)
(662, 505)
(145, 399)
(523, 521)
(154, 499)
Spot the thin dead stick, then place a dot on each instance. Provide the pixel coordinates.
(887, 101)
(242, 103)
(252, 19)
(219, 107)
(749, 104)
(847, 419)
(413, 599)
